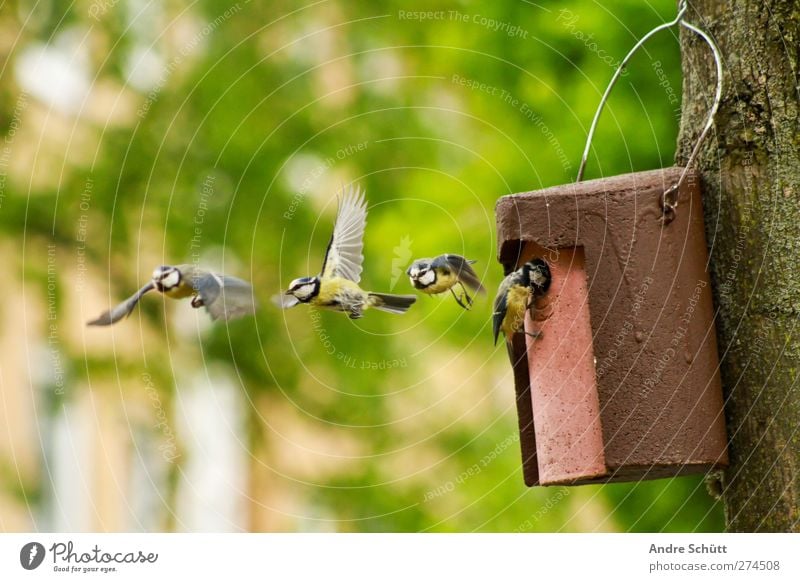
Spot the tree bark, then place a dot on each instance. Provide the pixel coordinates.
(750, 167)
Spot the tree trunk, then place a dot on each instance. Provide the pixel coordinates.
(751, 181)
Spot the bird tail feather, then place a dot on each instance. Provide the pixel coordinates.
(391, 303)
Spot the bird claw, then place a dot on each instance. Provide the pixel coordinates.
(197, 302)
(460, 301)
(464, 297)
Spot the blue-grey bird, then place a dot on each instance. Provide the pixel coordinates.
(223, 296)
(337, 286)
(441, 274)
(517, 294)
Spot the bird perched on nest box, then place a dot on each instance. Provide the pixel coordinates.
(336, 287)
(517, 294)
(224, 297)
(434, 276)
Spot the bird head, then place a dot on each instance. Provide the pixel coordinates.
(421, 274)
(304, 289)
(166, 278)
(536, 275)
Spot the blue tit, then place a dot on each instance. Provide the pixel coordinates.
(433, 276)
(337, 286)
(517, 294)
(224, 297)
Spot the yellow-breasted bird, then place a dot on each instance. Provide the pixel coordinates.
(223, 296)
(336, 287)
(433, 276)
(516, 294)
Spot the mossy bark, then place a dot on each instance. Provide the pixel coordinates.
(751, 180)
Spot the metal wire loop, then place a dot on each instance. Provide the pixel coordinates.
(669, 199)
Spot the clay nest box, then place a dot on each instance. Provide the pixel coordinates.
(623, 384)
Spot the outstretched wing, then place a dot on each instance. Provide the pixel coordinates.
(122, 310)
(344, 255)
(463, 270)
(224, 297)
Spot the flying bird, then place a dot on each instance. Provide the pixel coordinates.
(223, 296)
(516, 295)
(441, 274)
(337, 286)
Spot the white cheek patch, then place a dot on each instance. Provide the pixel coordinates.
(305, 291)
(170, 280)
(428, 277)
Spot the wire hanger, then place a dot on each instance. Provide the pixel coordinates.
(669, 200)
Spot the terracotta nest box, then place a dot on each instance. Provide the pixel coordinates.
(623, 384)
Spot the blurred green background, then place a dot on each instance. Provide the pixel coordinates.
(146, 132)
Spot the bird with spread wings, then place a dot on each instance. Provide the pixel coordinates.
(223, 296)
(337, 286)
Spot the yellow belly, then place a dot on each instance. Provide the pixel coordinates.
(181, 291)
(516, 303)
(442, 284)
(340, 294)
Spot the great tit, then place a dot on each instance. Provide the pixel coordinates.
(516, 294)
(336, 287)
(224, 297)
(441, 274)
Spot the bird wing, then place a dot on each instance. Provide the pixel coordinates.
(463, 270)
(224, 297)
(344, 255)
(124, 309)
(285, 301)
(500, 309)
